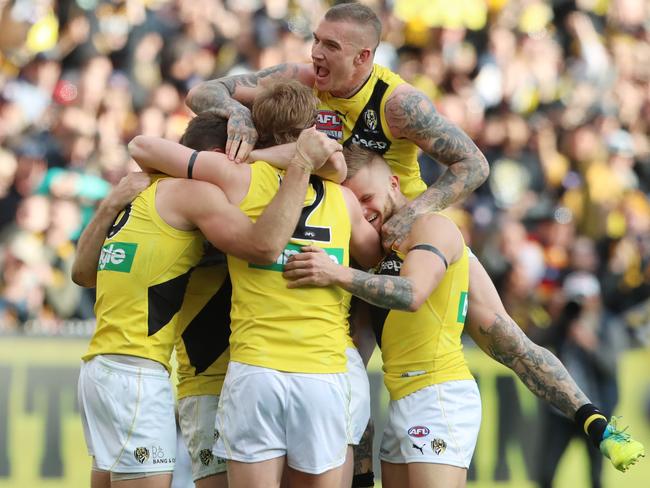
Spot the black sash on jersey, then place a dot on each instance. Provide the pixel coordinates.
(367, 131)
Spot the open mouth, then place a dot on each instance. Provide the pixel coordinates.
(321, 72)
(374, 220)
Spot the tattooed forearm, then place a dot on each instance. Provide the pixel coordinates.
(411, 115)
(392, 292)
(363, 451)
(215, 95)
(220, 94)
(538, 368)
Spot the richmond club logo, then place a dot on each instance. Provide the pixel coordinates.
(370, 118)
(206, 456)
(439, 446)
(141, 454)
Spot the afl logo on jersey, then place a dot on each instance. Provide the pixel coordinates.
(330, 123)
(418, 431)
(370, 117)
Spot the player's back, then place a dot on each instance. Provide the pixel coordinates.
(142, 274)
(295, 330)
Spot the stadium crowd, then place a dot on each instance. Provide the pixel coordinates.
(554, 94)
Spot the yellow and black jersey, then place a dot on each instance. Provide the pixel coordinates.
(296, 330)
(143, 271)
(360, 120)
(423, 348)
(203, 326)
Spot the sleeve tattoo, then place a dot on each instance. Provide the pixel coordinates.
(393, 292)
(413, 116)
(537, 368)
(217, 94)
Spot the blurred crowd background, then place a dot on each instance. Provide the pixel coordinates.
(556, 94)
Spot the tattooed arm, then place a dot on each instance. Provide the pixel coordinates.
(411, 115)
(420, 273)
(229, 96)
(501, 338)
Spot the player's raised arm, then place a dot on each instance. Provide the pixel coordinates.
(84, 268)
(155, 154)
(229, 229)
(279, 156)
(230, 96)
(411, 115)
(434, 243)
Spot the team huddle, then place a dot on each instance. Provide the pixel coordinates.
(291, 208)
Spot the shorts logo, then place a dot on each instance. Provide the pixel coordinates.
(370, 118)
(418, 431)
(141, 454)
(439, 446)
(419, 448)
(330, 123)
(216, 435)
(117, 256)
(206, 456)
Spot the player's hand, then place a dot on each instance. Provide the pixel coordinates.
(311, 267)
(127, 189)
(395, 230)
(242, 135)
(314, 148)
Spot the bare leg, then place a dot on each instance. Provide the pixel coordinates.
(348, 469)
(163, 480)
(429, 475)
(328, 479)
(100, 479)
(394, 475)
(265, 474)
(215, 481)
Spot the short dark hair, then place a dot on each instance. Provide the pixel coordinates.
(358, 13)
(282, 110)
(206, 132)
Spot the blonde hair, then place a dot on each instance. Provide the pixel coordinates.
(282, 110)
(357, 158)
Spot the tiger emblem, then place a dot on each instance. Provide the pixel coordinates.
(141, 454)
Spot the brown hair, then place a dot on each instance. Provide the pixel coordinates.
(357, 158)
(357, 13)
(282, 110)
(206, 132)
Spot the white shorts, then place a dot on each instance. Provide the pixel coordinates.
(264, 413)
(198, 416)
(127, 414)
(437, 424)
(360, 398)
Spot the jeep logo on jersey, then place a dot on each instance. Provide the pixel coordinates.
(418, 431)
(330, 123)
(377, 146)
(334, 253)
(117, 256)
(370, 117)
